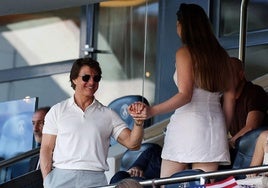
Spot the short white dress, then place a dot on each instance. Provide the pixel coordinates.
(197, 131)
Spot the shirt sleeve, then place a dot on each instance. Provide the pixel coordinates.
(118, 125)
(50, 125)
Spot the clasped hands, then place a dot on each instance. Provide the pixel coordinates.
(138, 111)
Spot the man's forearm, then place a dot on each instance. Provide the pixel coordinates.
(45, 163)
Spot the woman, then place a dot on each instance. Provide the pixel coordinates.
(196, 133)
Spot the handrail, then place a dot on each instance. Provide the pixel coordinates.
(206, 175)
(22, 156)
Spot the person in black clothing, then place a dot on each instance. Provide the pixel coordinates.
(251, 105)
(147, 166)
(38, 120)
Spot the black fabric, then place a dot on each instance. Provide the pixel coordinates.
(150, 162)
(148, 158)
(120, 175)
(33, 163)
(130, 156)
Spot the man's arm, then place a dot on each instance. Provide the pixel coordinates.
(254, 120)
(46, 152)
(132, 138)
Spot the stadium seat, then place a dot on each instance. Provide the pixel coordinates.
(29, 180)
(245, 148)
(188, 172)
(130, 156)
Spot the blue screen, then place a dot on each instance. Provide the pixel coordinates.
(16, 134)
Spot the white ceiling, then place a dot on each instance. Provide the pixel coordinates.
(9, 7)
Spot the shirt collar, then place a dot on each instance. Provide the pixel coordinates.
(72, 102)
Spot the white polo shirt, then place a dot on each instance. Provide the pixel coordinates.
(83, 138)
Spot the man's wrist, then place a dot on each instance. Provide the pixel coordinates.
(139, 124)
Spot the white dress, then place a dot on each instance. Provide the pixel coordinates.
(197, 131)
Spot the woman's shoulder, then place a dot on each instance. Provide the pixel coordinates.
(183, 53)
(183, 50)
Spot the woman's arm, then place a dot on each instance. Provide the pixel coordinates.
(185, 82)
(229, 106)
(254, 120)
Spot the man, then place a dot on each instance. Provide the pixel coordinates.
(251, 104)
(38, 120)
(77, 131)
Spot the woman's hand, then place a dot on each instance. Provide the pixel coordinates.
(138, 111)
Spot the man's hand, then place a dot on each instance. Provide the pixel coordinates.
(135, 172)
(232, 143)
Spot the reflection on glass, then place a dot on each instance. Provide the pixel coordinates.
(230, 14)
(255, 61)
(16, 135)
(39, 38)
(122, 32)
(32, 39)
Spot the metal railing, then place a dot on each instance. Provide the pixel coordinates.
(204, 175)
(18, 158)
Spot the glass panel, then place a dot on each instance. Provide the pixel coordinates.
(230, 15)
(16, 126)
(32, 39)
(256, 62)
(49, 90)
(122, 32)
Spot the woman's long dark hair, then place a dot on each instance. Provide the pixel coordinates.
(210, 60)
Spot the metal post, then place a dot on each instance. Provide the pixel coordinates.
(243, 29)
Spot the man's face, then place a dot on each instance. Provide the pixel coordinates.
(86, 88)
(38, 123)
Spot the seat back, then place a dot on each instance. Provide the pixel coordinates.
(130, 156)
(245, 148)
(29, 180)
(120, 106)
(14, 170)
(188, 172)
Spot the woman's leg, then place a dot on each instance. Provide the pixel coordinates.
(169, 168)
(207, 167)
